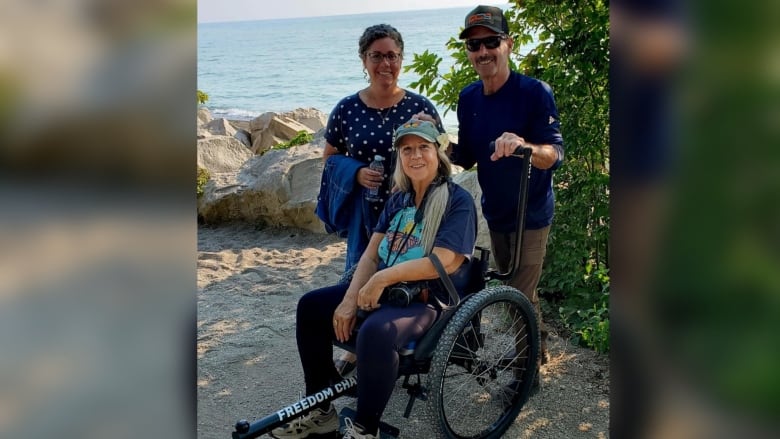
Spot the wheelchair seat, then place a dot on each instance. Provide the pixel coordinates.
(475, 281)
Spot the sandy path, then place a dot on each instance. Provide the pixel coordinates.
(249, 281)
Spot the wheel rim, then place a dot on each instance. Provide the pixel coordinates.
(487, 377)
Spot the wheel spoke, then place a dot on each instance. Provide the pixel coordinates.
(490, 351)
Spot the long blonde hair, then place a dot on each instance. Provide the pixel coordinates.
(435, 202)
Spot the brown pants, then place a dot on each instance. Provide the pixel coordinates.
(527, 277)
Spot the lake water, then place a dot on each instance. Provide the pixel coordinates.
(251, 67)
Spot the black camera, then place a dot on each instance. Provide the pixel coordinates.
(401, 294)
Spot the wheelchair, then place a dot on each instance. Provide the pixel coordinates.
(479, 358)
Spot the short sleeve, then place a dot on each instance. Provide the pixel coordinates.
(393, 205)
(458, 229)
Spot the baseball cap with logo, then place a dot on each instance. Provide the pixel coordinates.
(421, 128)
(489, 16)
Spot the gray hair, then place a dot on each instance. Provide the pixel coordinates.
(436, 201)
(377, 32)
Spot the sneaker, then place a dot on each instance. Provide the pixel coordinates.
(317, 421)
(344, 367)
(352, 431)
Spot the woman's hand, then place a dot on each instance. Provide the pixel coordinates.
(344, 319)
(368, 178)
(369, 294)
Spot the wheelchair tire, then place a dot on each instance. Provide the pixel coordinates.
(484, 365)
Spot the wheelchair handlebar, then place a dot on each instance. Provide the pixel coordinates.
(524, 153)
(520, 151)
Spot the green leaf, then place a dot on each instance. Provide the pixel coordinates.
(202, 97)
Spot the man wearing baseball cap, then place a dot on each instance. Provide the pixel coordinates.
(490, 17)
(513, 110)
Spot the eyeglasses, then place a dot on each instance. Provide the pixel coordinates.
(377, 57)
(472, 44)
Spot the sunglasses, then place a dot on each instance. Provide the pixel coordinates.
(473, 44)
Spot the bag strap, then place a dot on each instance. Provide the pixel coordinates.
(445, 278)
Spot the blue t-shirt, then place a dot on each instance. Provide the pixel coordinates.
(457, 231)
(524, 106)
(403, 238)
(362, 132)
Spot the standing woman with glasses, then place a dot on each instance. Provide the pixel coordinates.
(359, 128)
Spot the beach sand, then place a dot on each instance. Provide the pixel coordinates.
(249, 281)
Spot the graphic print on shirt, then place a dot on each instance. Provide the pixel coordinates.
(403, 238)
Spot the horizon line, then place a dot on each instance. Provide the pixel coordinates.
(328, 16)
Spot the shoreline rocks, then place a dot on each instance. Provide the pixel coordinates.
(275, 187)
(252, 182)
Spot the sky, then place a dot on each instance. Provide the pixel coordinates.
(239, 10)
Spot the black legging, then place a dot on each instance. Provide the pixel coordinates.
(381, 335)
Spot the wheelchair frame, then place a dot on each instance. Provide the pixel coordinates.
(456, 339)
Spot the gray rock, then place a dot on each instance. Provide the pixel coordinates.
(220, 127)
(270, 128)
(287, 128)
(310, 117)
(222, 154)
(279, 188)
(204, 116)
(244, 137)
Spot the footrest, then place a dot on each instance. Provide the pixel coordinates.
(386, 431)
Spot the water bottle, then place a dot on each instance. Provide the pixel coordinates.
(376, 165)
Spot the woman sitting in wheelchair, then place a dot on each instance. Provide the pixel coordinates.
(428, 214)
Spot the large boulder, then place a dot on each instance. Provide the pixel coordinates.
(244, 137)
(260, 123)
(311, 117)
(222, 154)
(286, 127)
(204, 116)
(279, 188)
(220, 127)
(270, 129)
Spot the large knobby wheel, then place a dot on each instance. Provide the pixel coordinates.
(484, 365)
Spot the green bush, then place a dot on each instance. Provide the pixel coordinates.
(203, 178)
(590, 326)
(585, 310)
(301, 138)
(202, 97)
(572, 55)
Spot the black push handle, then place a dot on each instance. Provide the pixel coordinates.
(520, 151)
(524, 153)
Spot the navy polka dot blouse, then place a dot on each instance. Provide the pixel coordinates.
(362, 132)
